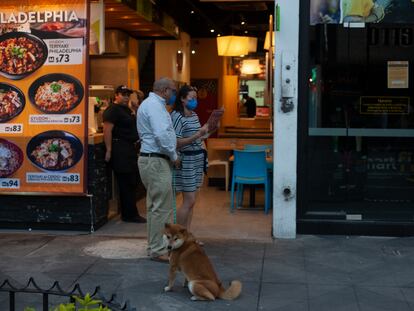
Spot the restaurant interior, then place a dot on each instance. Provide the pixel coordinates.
(183, 39)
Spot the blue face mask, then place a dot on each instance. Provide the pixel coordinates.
(171, 100)
(192, 104)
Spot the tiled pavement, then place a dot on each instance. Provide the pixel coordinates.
(309, 273)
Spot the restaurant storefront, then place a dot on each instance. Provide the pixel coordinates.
(356, 118)
(52, 169)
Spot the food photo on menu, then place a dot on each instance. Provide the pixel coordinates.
(54, 150)
(12, 102)
(11, 158)
(56, 93)
(73, 29)
(21, 54)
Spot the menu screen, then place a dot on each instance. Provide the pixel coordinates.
(43, 49)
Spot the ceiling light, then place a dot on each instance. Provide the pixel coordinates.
(191, 12)
(250, 67)
(211, 30)
(193, 52)
(267, 40)
(243, 22)
(179, 51)
(232, 45)
(252, 44)
(246, 31)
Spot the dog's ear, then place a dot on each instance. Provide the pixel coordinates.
(167, 225)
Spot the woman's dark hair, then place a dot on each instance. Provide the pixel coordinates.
(182, 93)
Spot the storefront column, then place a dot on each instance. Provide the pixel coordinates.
(285, 119)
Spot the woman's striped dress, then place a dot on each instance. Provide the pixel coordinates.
(190, 176)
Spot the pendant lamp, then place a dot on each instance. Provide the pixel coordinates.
(232, 45)
(267, 43)
(250, 67)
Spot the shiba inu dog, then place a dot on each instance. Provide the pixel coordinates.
(189, 258)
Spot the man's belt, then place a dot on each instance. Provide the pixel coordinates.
(154, 155)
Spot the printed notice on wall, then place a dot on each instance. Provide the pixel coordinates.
(43, 99)
(391, 105)
(398, 74)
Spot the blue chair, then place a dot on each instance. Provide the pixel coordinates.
(249, 168)
(267, 148)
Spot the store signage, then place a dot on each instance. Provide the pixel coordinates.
(43, 134)
(391, 37)
(391, 105)
(398, 74)
(358, 11)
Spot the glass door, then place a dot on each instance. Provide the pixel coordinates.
(360, 135)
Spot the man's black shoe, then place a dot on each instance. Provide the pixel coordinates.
(138, 219)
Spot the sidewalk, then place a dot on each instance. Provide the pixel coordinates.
(308, 273)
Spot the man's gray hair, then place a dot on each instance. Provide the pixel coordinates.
(162, 84)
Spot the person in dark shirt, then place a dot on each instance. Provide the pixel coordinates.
(121, 136)
(250, 104)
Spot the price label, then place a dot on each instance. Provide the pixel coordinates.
(64, 51)
(9, 183)
(53, 178)
(55, 119)
(72, 119)
(71, 179)
(59, 58)
(8, 128)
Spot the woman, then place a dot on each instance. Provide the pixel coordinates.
(135, 99)
(189, 177)
(121, 136)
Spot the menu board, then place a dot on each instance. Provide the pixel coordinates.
(43, 120)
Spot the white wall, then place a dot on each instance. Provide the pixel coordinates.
(285, 124)
(165, 58)
(256, 86)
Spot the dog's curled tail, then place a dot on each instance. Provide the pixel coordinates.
(232, 292)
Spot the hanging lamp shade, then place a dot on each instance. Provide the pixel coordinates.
(250, 67)
(267, 40)
(232, 45)
(252, 44)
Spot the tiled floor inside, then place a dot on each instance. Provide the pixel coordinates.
(212, 218)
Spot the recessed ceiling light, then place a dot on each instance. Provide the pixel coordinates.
(243, 22)
(193, 52)
(191, 12)
(211, 30)
(179, 51)
(246, 31)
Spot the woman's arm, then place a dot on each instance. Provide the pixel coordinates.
(107, 131)
(188, 140)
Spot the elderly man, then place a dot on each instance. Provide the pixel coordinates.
(157, 155)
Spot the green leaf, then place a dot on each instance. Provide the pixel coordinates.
(56, 87)
(54, 148)
(65, 307)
